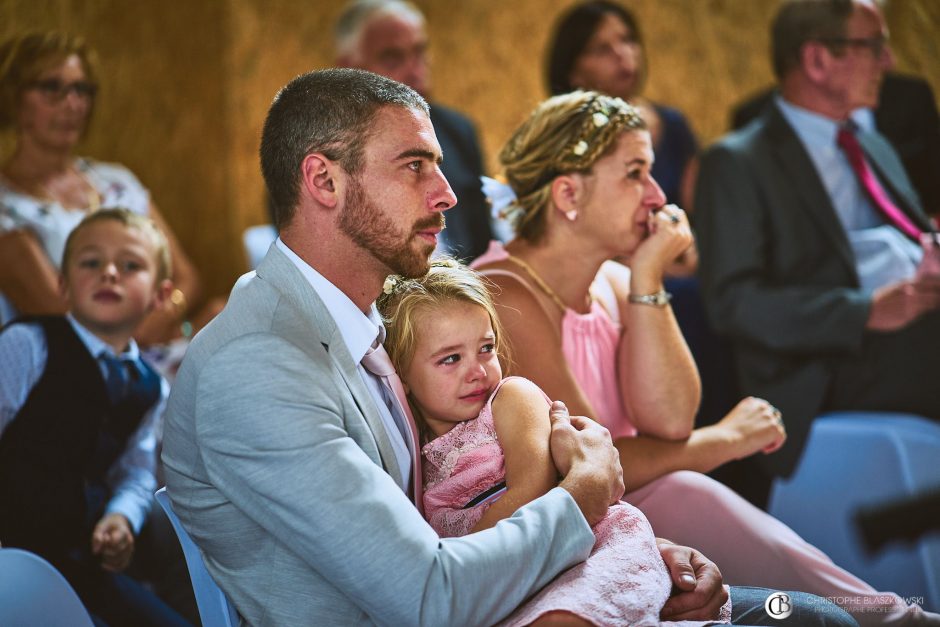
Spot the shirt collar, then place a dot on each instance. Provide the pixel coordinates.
(359, 331)
(813, 129)
(96, 345)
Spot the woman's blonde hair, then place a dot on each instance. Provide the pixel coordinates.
(565, 134)
(23, 58)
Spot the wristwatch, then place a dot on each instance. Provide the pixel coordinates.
(656, 299)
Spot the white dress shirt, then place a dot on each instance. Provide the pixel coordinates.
(359, 332)
(883, 254)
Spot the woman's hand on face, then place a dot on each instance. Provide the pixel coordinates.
(753, 425)
(669, 236)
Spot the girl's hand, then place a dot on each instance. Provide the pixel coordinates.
(753, 425)
(669, 236)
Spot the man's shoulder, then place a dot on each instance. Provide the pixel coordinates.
(447, 119)
(748, 139)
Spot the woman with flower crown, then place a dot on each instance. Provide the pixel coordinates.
(603, 338)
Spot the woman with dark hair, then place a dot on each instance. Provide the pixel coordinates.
(48, 86)
(598, 46)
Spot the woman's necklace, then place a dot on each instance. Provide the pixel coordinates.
(42, 191)
(542, 285)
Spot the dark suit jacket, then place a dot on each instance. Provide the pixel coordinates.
(777, 269)
(907, 116)
(468, 223)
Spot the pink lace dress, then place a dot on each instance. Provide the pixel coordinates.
(623, 582)
(751, 547)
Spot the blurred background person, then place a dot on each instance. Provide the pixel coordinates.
(388, 37)
(48, 83)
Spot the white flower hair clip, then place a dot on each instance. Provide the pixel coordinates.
(580, 148)
(600, 119)
(391, 282)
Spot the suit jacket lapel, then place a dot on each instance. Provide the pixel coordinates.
(278, 270)
(791, 157)
(891, 174)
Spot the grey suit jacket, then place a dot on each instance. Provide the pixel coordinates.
(777, 270)
(279, 467)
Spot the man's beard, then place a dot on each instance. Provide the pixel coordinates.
(367, 226)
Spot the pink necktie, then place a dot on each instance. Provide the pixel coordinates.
(849, 143)
(379, 363)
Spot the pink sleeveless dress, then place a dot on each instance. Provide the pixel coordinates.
(751, 547)
(623, 582)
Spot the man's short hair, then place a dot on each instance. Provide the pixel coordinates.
(327, 111)
(801, 21)
(359, 13)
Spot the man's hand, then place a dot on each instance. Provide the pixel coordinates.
(895, 306)
(585, 455)
(113, 541)
(753, 425)
(700, 593)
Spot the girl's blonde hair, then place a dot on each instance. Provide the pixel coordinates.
(404, 300)
(565, 134)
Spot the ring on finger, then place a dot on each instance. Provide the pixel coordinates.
(778, 417)
(673, 218)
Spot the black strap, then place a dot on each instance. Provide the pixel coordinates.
(479, 498)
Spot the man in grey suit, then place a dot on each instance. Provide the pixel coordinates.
(820, 292)
(284, 461)
(287, 464)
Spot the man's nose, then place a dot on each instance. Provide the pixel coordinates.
(442, 198)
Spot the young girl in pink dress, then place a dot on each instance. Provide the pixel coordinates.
(486, 450)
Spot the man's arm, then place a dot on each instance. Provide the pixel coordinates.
(278, 447)
(735, 215)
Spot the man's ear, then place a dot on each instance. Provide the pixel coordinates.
(815, 59)
(322, 179)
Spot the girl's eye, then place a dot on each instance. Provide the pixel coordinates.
(488, 348)
(89, 263)
(131, 266)
(635, 175)
(450, 359)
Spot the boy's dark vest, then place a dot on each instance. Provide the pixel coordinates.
(56, 452)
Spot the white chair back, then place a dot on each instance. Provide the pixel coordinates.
(33, 592)
(215, 609)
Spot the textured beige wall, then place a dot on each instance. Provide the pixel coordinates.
(186, 84)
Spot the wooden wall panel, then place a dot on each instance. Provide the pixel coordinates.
(161, 110)
(186, 84)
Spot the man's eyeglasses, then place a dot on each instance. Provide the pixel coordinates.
(54, 90)
(876, 44)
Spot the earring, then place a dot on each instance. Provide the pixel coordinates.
(571, 214)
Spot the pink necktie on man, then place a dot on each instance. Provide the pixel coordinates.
(849, 144)
(379, 363)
